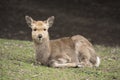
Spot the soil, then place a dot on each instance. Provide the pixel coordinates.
(97, 20)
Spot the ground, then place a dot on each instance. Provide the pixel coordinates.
(17, 62)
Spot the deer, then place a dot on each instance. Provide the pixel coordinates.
(74, 51)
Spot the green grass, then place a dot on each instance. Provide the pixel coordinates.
(17, 63)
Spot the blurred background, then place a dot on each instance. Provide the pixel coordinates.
(97, 20)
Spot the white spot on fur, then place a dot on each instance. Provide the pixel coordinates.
(98, 62)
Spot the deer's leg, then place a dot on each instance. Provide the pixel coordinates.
(84, 58)
(85, 63)
(60, 63)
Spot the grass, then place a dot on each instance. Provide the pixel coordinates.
(17, 63)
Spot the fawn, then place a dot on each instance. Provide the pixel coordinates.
(75, 51)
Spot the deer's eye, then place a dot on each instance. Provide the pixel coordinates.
(44, 29)
(35, 29)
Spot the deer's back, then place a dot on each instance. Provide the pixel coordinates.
(67, 46)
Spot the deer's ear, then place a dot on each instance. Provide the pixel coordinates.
(29, 20)
(50, 21)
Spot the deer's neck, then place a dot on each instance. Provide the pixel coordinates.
(43, 51)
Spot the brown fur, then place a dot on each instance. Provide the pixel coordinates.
(75, 51)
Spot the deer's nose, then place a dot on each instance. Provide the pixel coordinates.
(40, 36)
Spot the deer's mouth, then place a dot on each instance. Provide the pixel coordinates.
(40, 39)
